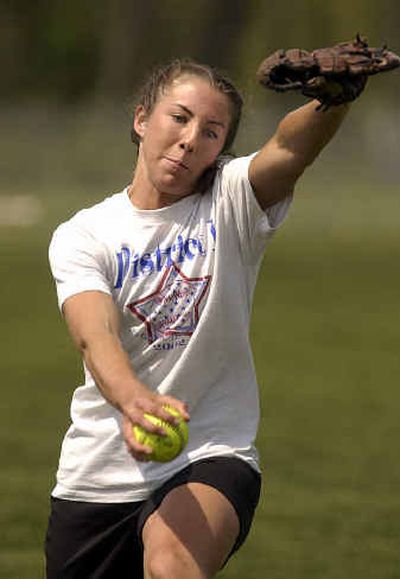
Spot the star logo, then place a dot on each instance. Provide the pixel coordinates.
(173, 309)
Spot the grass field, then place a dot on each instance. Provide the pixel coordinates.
(325, 334)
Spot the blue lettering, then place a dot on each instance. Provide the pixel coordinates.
(135, 265)
(212, 229)
(167, 251)
(146, 264)
(123, 258)
(202, 251)
(160, 258)
(196, 243)
(181, 256)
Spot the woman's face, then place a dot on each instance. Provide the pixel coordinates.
(182, 136)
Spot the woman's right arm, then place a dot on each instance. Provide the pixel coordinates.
(94, 324)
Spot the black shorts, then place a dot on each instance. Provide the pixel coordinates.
(103, 540)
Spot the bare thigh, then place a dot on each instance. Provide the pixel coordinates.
(190, 535)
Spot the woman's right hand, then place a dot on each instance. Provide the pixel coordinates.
(147, 402)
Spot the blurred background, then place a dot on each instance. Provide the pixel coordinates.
(326, 314)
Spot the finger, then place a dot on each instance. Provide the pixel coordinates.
(156, 406)
(138, 450)
(138, 455)
(152, 427)
(180, 406)
(145, 412)
(160, 410)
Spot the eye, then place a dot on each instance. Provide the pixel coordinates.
(211, 134)
(178, 118)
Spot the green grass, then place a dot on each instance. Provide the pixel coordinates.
(325, 335)
(326, 344)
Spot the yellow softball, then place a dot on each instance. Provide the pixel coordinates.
(168, 447)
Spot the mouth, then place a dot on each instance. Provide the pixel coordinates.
(178, 163)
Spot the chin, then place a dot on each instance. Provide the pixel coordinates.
(175, 190)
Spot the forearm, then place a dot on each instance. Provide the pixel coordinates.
(298, 140)
(305, 131)
(111, 369)
(94, 325)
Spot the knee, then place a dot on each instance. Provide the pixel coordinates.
(168, 562)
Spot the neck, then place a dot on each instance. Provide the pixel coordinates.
(152, 198)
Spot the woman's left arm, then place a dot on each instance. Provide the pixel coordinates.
(299, 138)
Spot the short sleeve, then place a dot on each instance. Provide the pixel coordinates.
(78, 262)
(255, 226)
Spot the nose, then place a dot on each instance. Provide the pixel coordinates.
(186, 146)
(189, 139)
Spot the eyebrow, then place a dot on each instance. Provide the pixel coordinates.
(189, 112)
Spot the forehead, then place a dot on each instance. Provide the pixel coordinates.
(198, 95)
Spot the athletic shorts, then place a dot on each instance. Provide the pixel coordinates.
(103, 540)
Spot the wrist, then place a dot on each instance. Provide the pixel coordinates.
(130, 395)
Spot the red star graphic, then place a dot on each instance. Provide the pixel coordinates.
(173, 308)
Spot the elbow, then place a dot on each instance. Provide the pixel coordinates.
(82, 345)
(297, 162)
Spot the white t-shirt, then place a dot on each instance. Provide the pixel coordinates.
(183, 278)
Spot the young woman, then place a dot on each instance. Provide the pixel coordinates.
(156, 284)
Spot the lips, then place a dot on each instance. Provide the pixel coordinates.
(178, 163)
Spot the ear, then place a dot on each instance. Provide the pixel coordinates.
(140, 121)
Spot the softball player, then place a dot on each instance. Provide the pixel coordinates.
(156, 284)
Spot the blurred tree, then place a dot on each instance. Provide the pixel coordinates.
(72, 49)
(11, 50)
(126, 46)
(54, 48)
(140, 34)
(222, 27)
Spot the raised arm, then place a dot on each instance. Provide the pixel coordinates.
(94, 324)
(299, 138)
